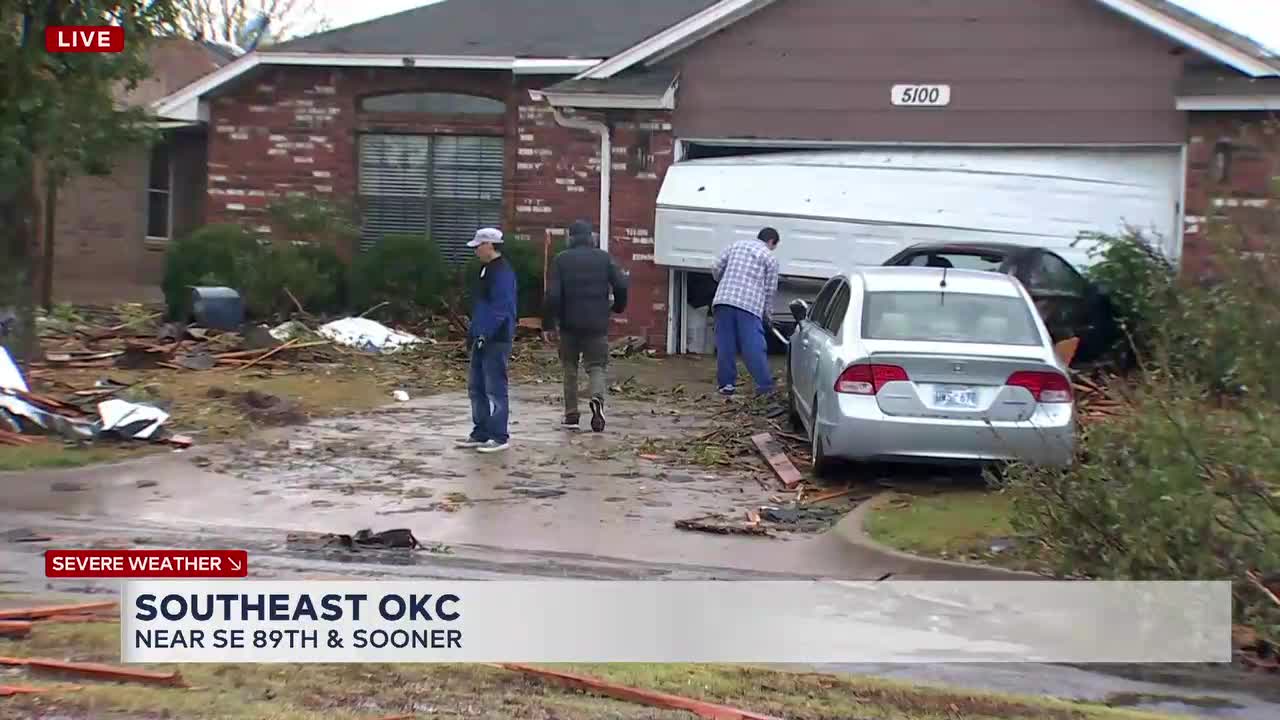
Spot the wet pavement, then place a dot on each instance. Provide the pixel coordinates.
(557, 504)
(554, 491)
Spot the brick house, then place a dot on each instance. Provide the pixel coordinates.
(678, 125)
(110, 231)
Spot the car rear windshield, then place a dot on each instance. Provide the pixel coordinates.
(949, 317)
(958, 260)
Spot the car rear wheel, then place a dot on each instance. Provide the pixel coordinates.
(817, 446)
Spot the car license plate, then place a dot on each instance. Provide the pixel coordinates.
(955, 397)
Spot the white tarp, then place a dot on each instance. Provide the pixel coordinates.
(10, 375)
(366, 334)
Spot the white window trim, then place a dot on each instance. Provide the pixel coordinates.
(148, 237)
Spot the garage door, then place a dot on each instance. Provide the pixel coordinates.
(441, 186)
(837, 209)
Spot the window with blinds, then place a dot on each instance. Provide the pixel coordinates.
(442, 186)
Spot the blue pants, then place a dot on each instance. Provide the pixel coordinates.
(487, 387)
(738, 332)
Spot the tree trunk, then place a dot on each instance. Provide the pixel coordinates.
(50, 218)
(19, 242)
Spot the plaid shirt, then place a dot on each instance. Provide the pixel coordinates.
(747, 273)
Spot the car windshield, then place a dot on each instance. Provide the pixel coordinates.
(957, 260)
(948, 317)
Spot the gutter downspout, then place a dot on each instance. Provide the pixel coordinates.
(606, 164)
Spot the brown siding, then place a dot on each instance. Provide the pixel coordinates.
(1048, 71)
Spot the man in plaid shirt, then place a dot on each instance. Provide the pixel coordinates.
(747, 273)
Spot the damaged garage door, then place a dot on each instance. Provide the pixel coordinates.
(836, 209)
(441, 186)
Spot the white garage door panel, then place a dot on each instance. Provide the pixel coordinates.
(841, 208)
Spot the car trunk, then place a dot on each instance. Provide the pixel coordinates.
(960, 381)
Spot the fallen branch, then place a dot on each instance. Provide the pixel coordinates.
(1256, 580)
(823, 497)
(701, 708)
(269, 353)
(375, 307)
(296, 304)
(8, 690)
(98, 670)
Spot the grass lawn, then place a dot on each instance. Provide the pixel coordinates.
(953, 524)
(371, 692)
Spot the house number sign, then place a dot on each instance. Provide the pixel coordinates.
(922, 95)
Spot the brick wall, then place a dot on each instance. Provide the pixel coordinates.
(293, 130)
(1233, 172)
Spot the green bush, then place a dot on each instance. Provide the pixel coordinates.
(314, 220)
(312, 274)
(212, 255)
(407, 272)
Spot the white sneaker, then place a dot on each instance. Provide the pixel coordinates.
(493, 446)
(470, 442)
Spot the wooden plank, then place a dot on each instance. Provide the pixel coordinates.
(778, 460)
(14, 628)
(35, 613)
(97, 670)
(703, 709)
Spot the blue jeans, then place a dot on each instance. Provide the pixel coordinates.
(738, 332)
(487, 388)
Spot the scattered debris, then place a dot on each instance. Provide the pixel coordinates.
(400, 396)
(778, 460)
(718, 524)
(398, 538)
(701, 708)
(131, 420)
(1066, 350)
(627, 346)
(368, 335)
(98, 670)
(8, 690)
(268, 409)
(290, 330)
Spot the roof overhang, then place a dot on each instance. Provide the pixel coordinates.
(1227, 103)
(664, 100)
(726, 12)
(185, 103)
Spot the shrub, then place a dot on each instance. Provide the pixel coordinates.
(312, 274)
(407, 272)
(317, 221)
(212, 255)
(1186, 484)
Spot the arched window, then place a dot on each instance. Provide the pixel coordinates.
(436, 103)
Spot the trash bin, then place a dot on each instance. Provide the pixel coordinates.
(217, 308)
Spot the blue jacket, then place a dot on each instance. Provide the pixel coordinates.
(494, 315)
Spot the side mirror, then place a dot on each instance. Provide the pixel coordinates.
(799, 310)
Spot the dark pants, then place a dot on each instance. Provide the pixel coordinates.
(487, 388)
(738, 332)
(593, 352)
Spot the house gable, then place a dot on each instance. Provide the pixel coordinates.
(1049, 72)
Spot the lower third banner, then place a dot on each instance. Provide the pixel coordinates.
(164, 621)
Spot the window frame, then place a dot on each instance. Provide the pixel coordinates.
(168, 147)
(471, 116)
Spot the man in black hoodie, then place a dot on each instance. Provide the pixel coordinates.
(577, 305)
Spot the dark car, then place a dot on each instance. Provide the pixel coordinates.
(1071, 305)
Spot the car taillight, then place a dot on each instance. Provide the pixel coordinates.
(1045, 387)
(868, 379)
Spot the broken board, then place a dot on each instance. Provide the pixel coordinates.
(778, 460)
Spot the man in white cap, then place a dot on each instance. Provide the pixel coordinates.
(493, 328)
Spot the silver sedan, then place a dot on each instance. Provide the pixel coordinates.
(928, 365)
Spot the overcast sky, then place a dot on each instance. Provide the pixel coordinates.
(1259, 19)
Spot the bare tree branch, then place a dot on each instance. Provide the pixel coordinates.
(221, 20)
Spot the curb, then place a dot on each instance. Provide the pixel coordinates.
(851, 529)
